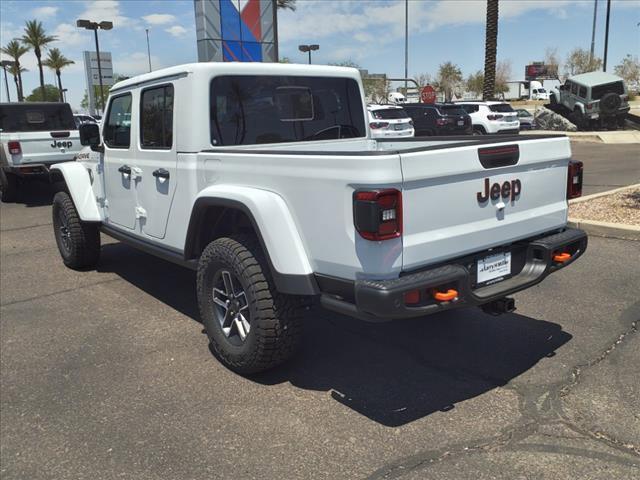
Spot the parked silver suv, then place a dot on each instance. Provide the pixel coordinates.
(593, 99)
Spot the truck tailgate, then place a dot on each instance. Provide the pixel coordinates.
(446, 212)
(46, 147)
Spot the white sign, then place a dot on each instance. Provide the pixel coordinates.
(494, 266)
(92, 76)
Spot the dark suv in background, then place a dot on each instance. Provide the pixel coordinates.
(438, 119)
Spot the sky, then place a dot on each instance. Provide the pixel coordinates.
(367, 32)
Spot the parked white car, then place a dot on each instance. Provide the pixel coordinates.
(33, 136)
(491, 117)
(264, 178)
(389, 121)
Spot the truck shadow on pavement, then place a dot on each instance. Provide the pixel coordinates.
(35, 193)
(393, 373)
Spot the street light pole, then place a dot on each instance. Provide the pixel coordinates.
(406, 44)
(593, 30)
(89, 25)
(308, 49)
(148, 48)
(606, 37)
(99, 69)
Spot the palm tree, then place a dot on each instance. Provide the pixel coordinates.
(36, 38)
(490, 48)
(15, 50)
(16, 71)
(57, 61)
(286, 4)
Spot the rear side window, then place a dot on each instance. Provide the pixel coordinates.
(117, 129)
(156, 118)
(582, 92)
(574, 88)
(470, 108)
(249, 110)
(451, 110)
(501, 107)
(598, 91)
(389, 113)
(36, 117)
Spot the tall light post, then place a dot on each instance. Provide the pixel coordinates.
(593, 30)
(606, 37)
(309, 49)
(89, 25)
(406, 44)
(148, 48)
(5, 64)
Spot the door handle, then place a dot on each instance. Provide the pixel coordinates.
(126, 169)
(161, 173)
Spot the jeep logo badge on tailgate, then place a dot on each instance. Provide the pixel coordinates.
(65, 144)
(507, 189)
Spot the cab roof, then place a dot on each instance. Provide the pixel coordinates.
(240, 68)
(594, 78)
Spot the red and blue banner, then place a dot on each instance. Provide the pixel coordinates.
(236, 30)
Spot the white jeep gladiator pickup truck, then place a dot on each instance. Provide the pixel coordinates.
(33, 135)
(265, 179)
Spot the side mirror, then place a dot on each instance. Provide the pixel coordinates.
(90, 135)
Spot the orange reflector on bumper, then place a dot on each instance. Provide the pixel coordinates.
(561, 257)
(446, 296)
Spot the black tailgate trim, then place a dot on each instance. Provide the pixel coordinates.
(501, 156)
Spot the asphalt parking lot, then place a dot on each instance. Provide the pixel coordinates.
(106, 374)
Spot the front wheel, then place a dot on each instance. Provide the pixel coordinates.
(251, 327)
(78, 241)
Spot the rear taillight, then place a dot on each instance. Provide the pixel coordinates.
(14, 148)
(574, 179)
(494, 117)
(441, 121)
(378, 125)
(589, 106)
(377, 214)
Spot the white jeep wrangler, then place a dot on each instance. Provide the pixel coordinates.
(264, 178)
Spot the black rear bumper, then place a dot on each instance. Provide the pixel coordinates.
(379, 300)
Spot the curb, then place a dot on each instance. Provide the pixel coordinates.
(606, 229)
(603, 194)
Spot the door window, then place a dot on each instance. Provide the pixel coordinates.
(117, 130)
(574, 88)
(156, 118)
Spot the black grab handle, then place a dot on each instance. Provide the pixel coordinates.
(125, 169)
(161, 173)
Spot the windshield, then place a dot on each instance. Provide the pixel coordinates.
(599, 91)
(389, 113)
(501, 107)
(541, 90)
(249, 110)
(36, 117)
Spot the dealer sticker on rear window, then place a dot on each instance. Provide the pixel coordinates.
(494, 266)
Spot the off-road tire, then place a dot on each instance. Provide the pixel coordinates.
(609, 103)
(276, 319)
(479, 130)
(8, 187)
(81, 250)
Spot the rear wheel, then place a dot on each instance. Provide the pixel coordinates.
(251, 327)
(8, 187)
(478, 130)
(78, 241)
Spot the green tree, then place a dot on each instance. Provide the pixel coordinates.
(286, 4)
(475, 83)
(579, 61)
(503, 75)
(15, 50)
(449, 79)
(36, 37)
(56, 61)
(51, 94)
(84, 104)
(629, 70)
(422, 79)
(17, 71)
(490, 50)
